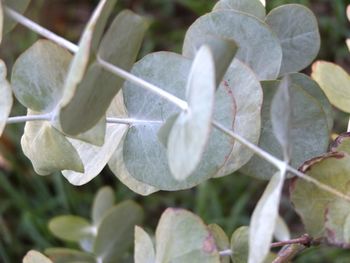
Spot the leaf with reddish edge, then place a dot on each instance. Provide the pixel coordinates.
(341, 143)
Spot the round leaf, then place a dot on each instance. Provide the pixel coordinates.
(297, 29)
(70, 228)
(335, 82)
(240, 245)
(119, 46)
(190, 132)
(48, 149)
(309, 201)
(115, 233)
(144, 155)
(258, 46)
(35, 257)
(103, 201)
(182, 237)
(309, 131)
(221, 240)
(242, 83)
(253, 7)
(6, 99)
(144, 249)
(38, 75)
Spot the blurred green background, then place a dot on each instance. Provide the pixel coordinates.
(28, 201)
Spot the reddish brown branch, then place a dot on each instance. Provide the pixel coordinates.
(303, 240)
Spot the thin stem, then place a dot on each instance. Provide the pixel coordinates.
(20, 119)
(140, 82)
(131, 121)
(225, 253)
(40, 30)
(303, 240)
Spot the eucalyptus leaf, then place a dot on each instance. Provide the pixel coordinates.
(240, 245)
(144, 248)
(297, 29)
(6, 99)
(259, 48)
(164, 131)
(253, 7)
(221, 240)
(103, 201)
(311, 87)
(263, 220)
(309, 201)
(309, 131)
(182, 237)
(65, 255)
(17, 5)
(281, 115)
(70, 228)
(143, 154)
(241, 81)
(119, 46)
(48, 149)
(115, 233)
(190, 133)
(35, 257)
(337, 223)
(38, 75)
(281, 232)
(335, 82)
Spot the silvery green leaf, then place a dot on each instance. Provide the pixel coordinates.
(253, 7)
(103, 201)
(92, 97)
(38, 75)
(281, 232)
(144, 248)
(190, 132)
(183, 237)
(164, 131)
(263, 220)
(241, 82)
(144, 156)
(35, 257)
(309, 131)
(48, 149)
(64, 255)
(262, 51)
(297, 29)
(6, 99)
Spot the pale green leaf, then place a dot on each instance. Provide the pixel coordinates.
(70, 228)
(309, 131)
(103, 201)
(297, 29)
(335, 82)
(116, 231)
(48, 149)
(164, 131)
(144, 156)
(309, 201)
(6, 99)
(221, 240)
(337, 223)
(240, 245)
(66, 255)
(281, 232)
(35, 257)
(253, 7)
(182, 237)
(190, 132)
(95, 158)
(38, 75)
(119, 46)
(144, 248)
(17, 5)
(281, 115)
(262, 51)
(263, 220)
(312, 88)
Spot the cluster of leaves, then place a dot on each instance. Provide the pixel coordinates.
(84, 117)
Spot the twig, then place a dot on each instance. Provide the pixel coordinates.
(288, 253)
(303, 240)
